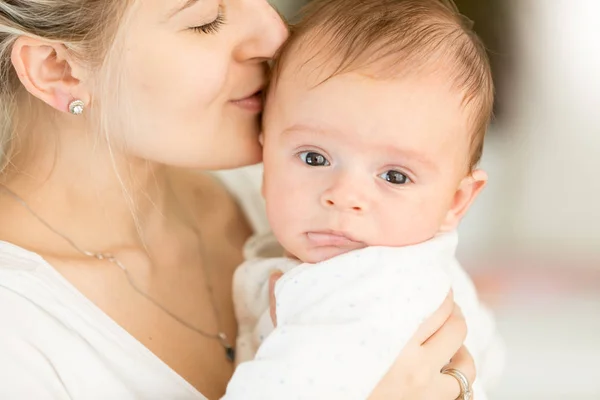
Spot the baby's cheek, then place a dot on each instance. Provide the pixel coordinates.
(280, 209)
(292, 207)
(406, 222)
(285, 217)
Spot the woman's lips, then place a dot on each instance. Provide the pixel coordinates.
(252, 103)
(331, 239)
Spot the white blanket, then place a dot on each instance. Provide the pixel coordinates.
(343, 322)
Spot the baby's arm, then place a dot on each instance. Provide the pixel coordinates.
(341, 325)
(251, 302)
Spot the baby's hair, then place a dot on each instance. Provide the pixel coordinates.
(393, 38)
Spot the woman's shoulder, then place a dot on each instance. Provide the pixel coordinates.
(25, 369)
(14, 258)
(19, 268)
(37, 304)
(25, 287)
(56, 344)
(25, 328)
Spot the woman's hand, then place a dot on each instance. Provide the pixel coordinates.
(416, 374)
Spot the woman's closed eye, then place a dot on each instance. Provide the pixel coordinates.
(395, 177)
(211, 27)
(314, 159)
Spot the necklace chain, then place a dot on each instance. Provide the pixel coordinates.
(220, 336)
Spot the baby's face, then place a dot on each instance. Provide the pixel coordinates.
(357, 162)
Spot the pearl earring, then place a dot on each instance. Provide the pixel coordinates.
(76, 107)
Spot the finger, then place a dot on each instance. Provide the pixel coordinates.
(436, 320)
(463, 361)
(448, 386)
(443, 344)
(273, 278)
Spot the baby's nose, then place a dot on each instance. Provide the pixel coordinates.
(345, 197)
(344, 205)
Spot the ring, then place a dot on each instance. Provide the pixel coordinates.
(465, 388)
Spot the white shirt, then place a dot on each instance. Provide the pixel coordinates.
(343, 322)
(56, 344)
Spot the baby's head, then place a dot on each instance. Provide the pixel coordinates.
(374, 125)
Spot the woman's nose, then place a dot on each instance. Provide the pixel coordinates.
(266, 31)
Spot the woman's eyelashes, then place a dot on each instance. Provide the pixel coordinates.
(211, 27)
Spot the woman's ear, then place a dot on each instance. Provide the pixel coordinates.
(48, 72)
(467, 192)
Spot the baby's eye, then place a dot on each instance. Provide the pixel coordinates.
(395, 177)
(313, 159)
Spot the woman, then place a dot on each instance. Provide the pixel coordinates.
(116, 262)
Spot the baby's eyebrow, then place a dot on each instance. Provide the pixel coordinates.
(306, 128)
(412, 156)
(391, 151)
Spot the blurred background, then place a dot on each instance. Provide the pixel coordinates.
(532, 241)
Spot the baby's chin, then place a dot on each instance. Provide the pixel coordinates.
(315, 255)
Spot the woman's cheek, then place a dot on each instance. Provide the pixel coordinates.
(203, 86)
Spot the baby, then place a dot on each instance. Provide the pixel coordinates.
(373, 128)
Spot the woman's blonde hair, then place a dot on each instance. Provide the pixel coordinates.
(87, 28)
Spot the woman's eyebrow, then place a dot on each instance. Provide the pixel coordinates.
(181, 7)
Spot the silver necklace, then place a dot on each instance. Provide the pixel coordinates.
(220, 336)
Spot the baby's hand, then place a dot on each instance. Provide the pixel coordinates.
(272, 303)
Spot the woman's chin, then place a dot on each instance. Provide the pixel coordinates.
(233, 159)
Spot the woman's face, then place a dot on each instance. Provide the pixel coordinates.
(193, 71)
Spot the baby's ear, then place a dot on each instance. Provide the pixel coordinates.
(467, 192)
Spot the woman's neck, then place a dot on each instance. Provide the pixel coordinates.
(99, 198)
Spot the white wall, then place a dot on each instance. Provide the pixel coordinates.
(545, 159)
(287, 7)
(555, 138)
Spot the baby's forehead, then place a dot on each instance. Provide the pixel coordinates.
(361, 109)
(310, 73)
(353, 101)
